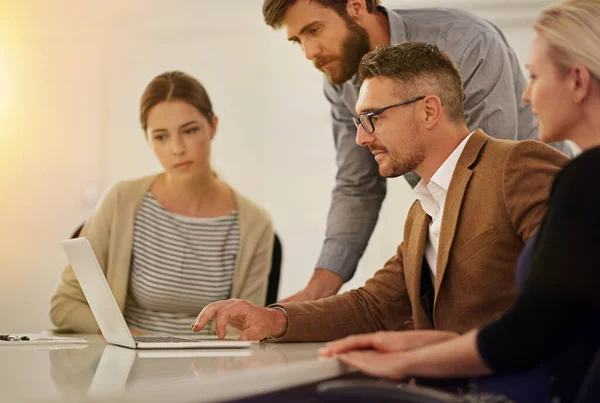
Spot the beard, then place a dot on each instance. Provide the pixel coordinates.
(355, 45)
(404, 161)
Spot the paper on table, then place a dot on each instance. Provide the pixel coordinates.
(40, 338)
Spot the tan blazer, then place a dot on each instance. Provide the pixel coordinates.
(496, 199)
(110, 232)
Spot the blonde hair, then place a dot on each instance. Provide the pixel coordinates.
(572, 29)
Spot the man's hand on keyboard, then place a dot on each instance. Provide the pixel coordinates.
(253, 322)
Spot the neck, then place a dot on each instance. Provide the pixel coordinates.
(194, 194)
(438, 147)
(377, 25)
(587, 132)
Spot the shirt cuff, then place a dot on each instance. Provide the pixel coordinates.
(339, 258)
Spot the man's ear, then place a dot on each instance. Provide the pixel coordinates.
(433, 110)
(356, 8)
(580, 82)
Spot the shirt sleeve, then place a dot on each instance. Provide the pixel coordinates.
(356, 197)
(494, 85)
(560, 291)
(381, 304)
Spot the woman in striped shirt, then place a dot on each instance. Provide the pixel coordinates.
(171, 243)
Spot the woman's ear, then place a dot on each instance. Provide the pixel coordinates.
(214, 125)
(581, 82)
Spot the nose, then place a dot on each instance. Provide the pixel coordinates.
(363, 138)
(311, 49)
(177, 146)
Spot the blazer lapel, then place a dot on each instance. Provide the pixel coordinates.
(454, 198)
(415, 249)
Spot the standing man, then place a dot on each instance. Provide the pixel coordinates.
(335, 35)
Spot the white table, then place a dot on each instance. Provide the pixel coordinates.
(101, 373)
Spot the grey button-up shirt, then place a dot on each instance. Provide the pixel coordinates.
(493, 84)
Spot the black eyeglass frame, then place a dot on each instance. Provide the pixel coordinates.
(358, 119)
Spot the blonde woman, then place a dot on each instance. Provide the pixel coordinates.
(171, 243)
(542, 347)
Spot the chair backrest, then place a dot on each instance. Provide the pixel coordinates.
(274, 274)
(589, 391)
(378, 391)
(77, 231)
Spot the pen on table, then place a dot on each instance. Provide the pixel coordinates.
(8, 337)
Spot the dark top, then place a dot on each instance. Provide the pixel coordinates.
(555, 321)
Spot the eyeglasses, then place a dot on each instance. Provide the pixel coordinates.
(364, 119)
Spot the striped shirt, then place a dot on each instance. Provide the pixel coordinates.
(179, 264)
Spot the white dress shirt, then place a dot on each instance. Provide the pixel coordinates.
(433, 197)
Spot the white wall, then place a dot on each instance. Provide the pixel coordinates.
(52, 135)
(71, 74)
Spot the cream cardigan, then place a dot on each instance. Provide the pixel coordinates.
(110, 232)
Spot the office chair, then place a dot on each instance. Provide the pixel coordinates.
(387, 392)
(274, 274)
(77, 231)
(377, 391)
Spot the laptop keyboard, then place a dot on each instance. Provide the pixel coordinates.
(161, 339)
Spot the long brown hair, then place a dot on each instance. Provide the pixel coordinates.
(175, 85)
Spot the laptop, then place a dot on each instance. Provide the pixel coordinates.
(108, 315)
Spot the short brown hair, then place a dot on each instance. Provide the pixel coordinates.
(274, 10)
(175, 85)
(421, 68)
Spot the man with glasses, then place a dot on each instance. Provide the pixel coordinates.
(364, 119)
(480, 199)
(334, 35)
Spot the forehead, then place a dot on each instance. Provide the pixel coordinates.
(538, 52)
(304, 12)
(172, 113)
(376, 93)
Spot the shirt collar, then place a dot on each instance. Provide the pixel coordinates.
(443, 175)
(429, 202)
(421, 190)
(397, 27)
(397, 34)
(440, 181)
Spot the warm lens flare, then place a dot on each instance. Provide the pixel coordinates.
(2, 82)
(4, 86)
